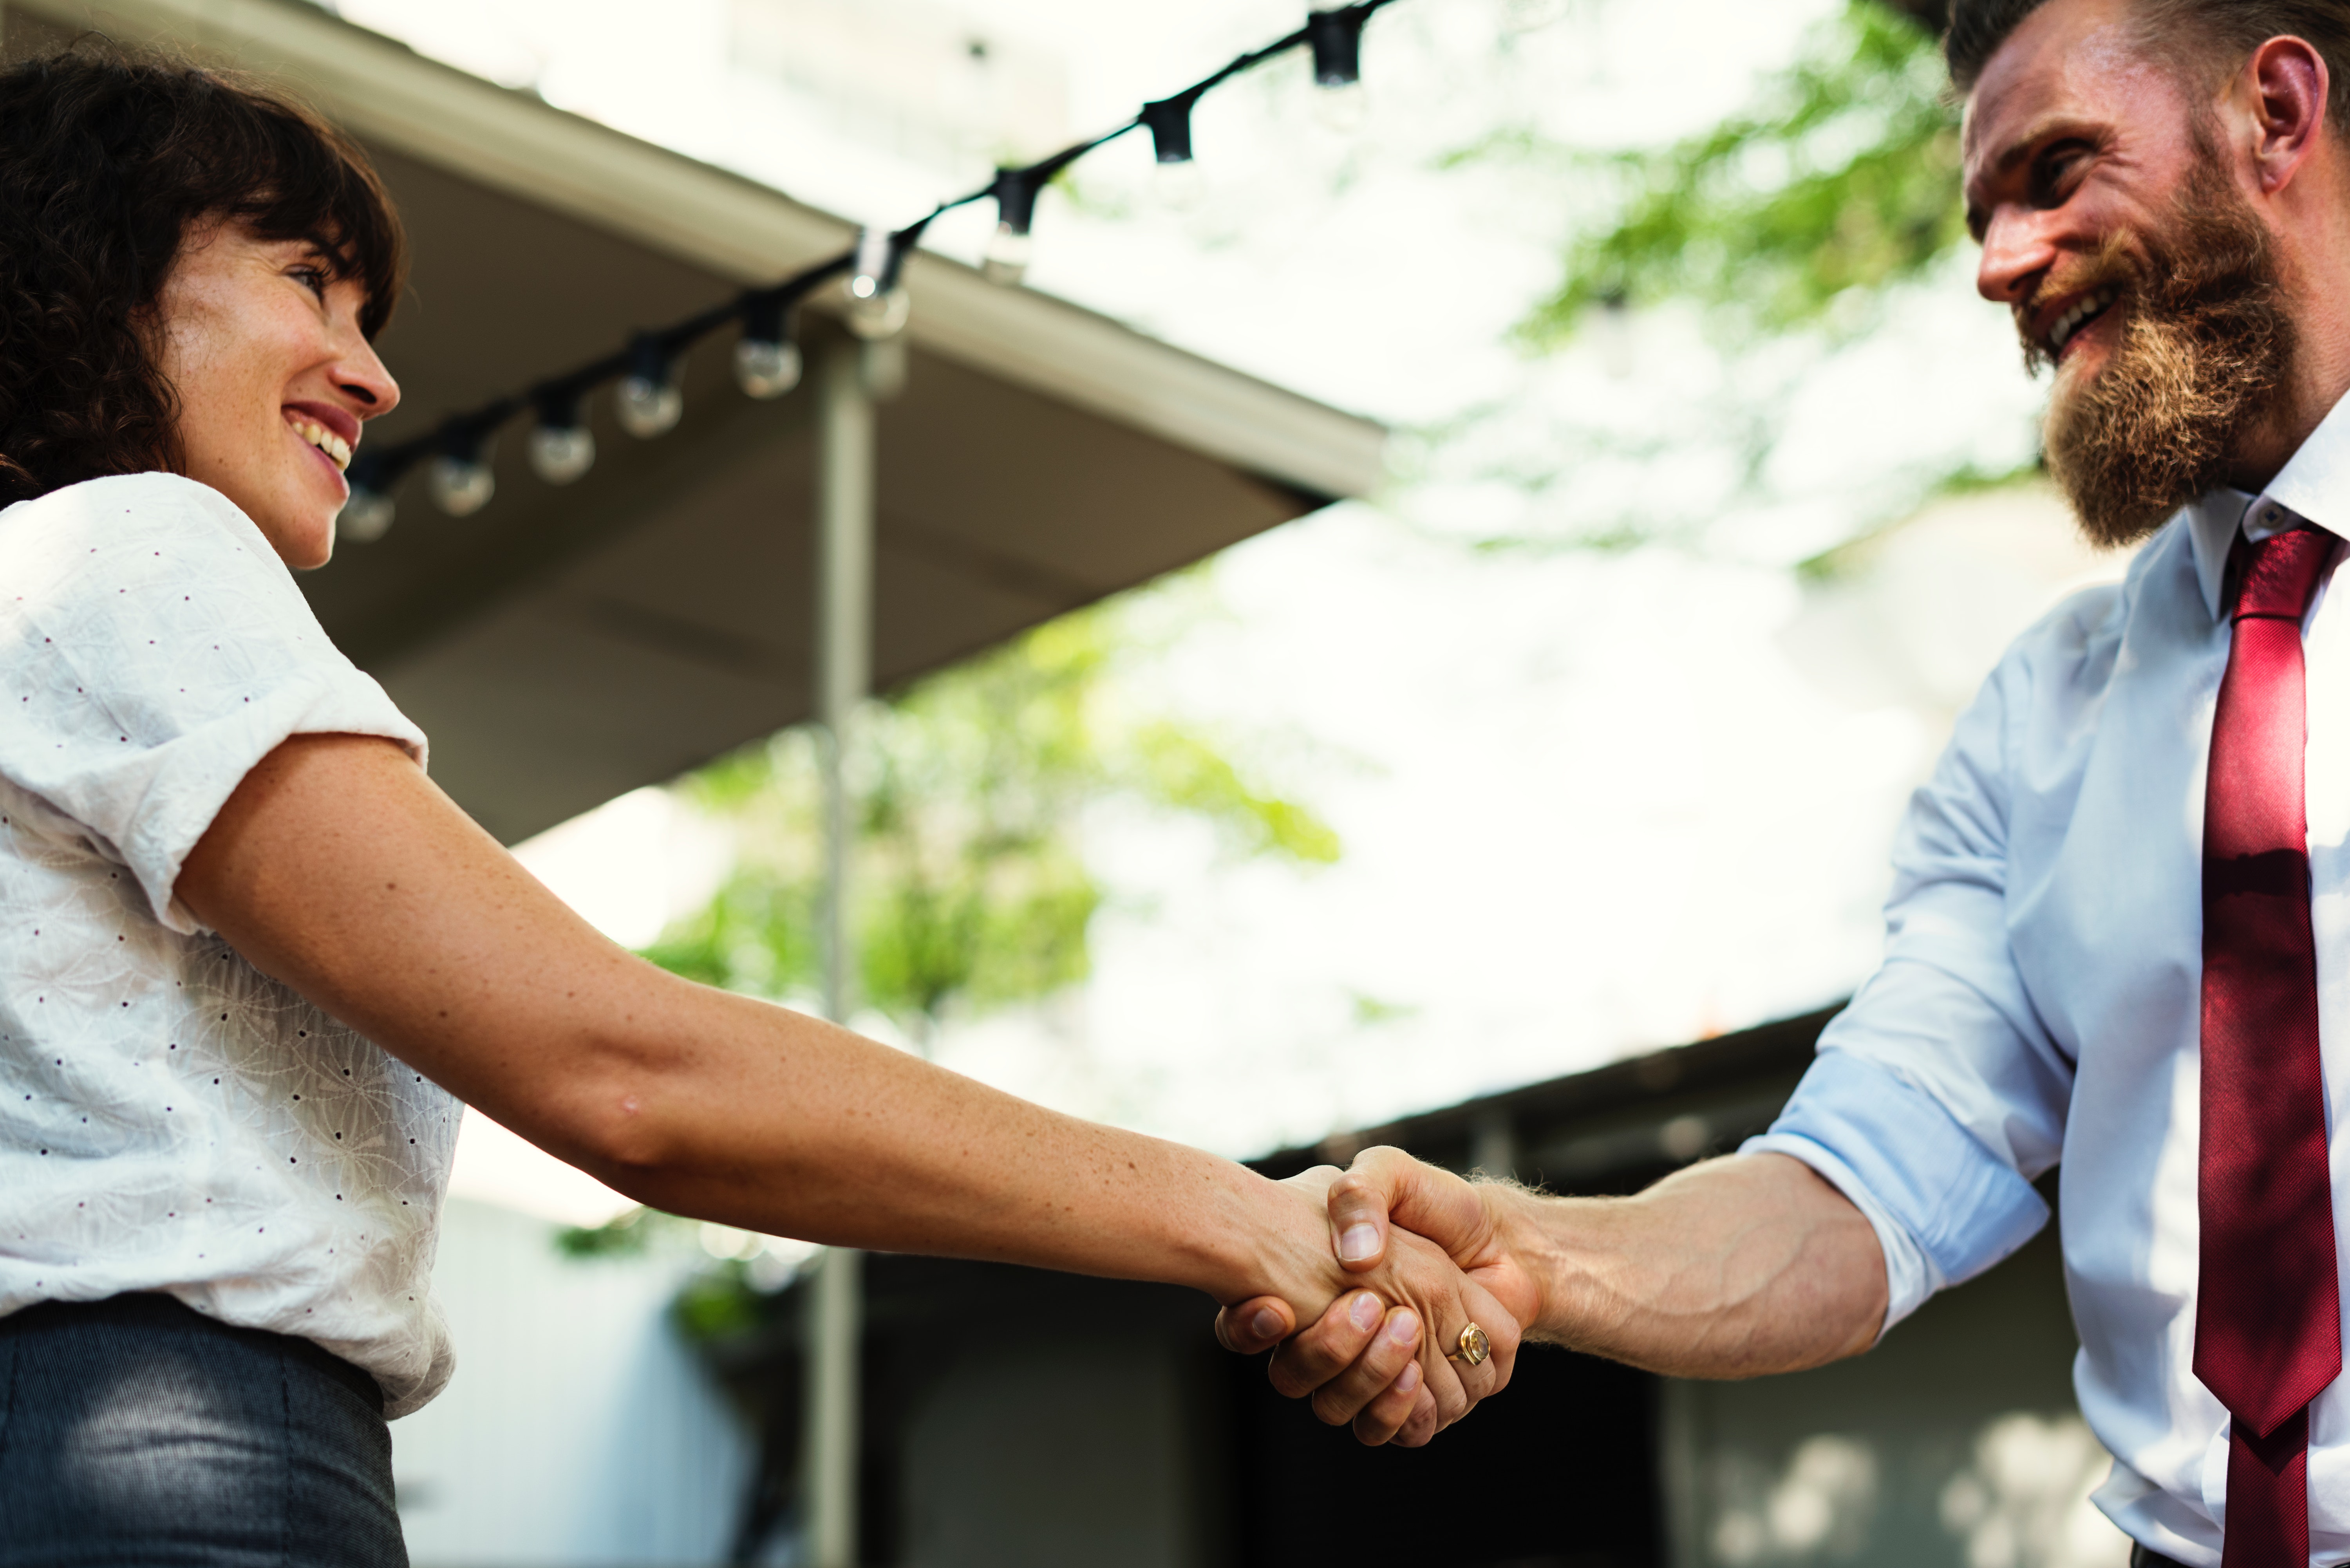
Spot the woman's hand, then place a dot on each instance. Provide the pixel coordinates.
(1377, 1357)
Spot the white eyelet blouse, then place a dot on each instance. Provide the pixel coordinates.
(170, 1118)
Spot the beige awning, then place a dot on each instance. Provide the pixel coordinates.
(562, 646)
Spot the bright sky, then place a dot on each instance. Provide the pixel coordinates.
(1594, 803)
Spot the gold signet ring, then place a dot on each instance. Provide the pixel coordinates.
(1474, 1347)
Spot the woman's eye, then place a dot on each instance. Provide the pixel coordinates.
(312, 278)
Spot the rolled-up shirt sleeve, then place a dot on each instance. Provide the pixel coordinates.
(1938, 1095)
(155, 648)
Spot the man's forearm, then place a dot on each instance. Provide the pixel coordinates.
(1734, 1268)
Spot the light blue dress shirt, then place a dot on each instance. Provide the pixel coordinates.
(2038, 1002)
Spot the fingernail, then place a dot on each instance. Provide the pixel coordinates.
(1365, 1312)
(1266, 1324)
(1408, 1378)
(1404, 1328)
(1356, 1242)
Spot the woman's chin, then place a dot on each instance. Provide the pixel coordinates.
(305, 543)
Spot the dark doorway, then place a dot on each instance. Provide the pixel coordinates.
(1560, 1471)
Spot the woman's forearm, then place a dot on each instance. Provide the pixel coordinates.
(338, 868)
(1734, 1268)
(780, 1123)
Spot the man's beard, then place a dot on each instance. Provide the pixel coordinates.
(2202, 355)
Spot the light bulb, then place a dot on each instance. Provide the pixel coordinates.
(365, 516)
(1342, 107)
(561, 453)
(1180, 186)
(874, 272)
(459, 487)
(648, 408)
(766, 370)
(1005, 260)
(877, 316)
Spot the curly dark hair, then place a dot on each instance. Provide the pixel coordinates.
(107, 159)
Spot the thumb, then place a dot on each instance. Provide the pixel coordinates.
(1358, 1202)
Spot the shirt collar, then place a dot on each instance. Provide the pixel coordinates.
(2314, 487)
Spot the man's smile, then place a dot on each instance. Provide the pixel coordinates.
(2053, 325)
(2075, 316)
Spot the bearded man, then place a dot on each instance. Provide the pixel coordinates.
(2119, 938)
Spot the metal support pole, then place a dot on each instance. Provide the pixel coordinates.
(845, 483)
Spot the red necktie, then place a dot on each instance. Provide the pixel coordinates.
(2267, 1322)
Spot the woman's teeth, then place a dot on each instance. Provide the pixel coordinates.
(2072, 320)
(338, 450)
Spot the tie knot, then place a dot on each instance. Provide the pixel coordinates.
(2277, 576)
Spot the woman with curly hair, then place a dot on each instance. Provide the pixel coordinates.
(252, 960)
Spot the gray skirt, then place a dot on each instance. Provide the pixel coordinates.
(136, 1433)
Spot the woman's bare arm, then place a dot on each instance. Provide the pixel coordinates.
(339, 868)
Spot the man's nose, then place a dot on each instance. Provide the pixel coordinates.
(2016, 249)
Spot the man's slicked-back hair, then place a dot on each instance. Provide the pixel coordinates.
(1978, 28)
(2216, 35)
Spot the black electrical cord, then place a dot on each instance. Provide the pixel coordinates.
(1333, 33)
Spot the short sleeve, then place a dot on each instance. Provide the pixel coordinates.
(155, 648)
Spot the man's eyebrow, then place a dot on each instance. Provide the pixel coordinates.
(2018, 149)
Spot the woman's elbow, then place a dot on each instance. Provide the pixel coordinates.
(619, 1125)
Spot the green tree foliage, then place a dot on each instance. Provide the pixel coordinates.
(1840, 180)
(970, 890)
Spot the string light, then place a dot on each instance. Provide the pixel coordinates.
(1168, 119)
(458, 477)
(562, 449)
(1336, 38)
(647, 399)
(878, 304)
(1005, 260)
(648, 402)
(368, 515)
(766, 356)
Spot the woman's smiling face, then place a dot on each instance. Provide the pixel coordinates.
(260, 340)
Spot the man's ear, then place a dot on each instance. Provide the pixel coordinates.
(2283, 87)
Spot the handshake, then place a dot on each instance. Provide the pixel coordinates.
(1730, 1268)
(1428, 1299)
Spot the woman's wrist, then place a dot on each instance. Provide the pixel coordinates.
(1257, 1238)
